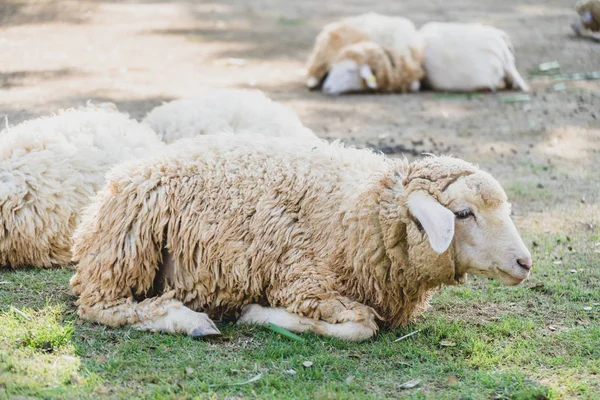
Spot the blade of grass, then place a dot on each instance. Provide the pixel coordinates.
(407, 336)
(284, 332)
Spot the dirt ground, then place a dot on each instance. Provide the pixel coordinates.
(138, 53)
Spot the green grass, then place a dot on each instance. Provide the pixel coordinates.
(478, 341)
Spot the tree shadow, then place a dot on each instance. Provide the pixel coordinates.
(15, 12)
(13, 79)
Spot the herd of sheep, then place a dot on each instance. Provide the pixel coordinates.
(226, 206)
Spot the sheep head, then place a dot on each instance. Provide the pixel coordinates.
(327, 45)
(465, 215)
(368, 66)
(589, 11)
(348, 76)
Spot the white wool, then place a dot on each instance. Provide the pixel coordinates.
(217, 111)
(469, 57)
(49, 168)
(396, 33)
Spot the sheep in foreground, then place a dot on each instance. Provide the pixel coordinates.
(394, 33)
(369, 66)
(225, 110)
(49, 169)
(588, 25)
(469, 57)
(312, 238)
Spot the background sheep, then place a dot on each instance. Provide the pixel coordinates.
(469, 57)
(332, 238)
(49, 168)
(395, 33)
(588, 24)
(227, 110)
(369, 66)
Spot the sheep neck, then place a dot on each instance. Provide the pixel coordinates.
(387, 262)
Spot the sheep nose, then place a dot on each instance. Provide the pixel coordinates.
(525, 263)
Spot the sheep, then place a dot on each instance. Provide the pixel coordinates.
(225, 110)
(49, 168)
(369, 66)
(469, 57)
(319, 238)
(588, 25)
(394, 33)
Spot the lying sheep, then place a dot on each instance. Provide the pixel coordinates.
(49, 168)
(395, 33)
(369, 66)
(469, 57)
(589, 23)
(312, 238)
(225, 110)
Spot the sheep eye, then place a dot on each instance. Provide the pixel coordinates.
(464, 214)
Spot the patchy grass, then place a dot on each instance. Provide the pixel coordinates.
(480, 340)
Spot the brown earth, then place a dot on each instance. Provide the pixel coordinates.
(137, 53)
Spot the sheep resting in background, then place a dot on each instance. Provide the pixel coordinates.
(588, 24)
(215, 111)
(394, 33)
(310, 237)
(469, 57)
(49, 169)
(369, 66)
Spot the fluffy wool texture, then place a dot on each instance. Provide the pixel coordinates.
(263, 220)
(217, 111)
(49, 169)
(395, 33)
(469, 57)
(394, 72)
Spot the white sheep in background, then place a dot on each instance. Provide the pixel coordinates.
(394, 33)
(469, 57)
(216, 111)
(367, 66)
(49, 169)
(325, 238)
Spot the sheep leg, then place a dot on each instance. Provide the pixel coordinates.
(157, 314)
(514, 77)
(254, 314)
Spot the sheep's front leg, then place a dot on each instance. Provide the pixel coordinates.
(257, 315)
(158, 314)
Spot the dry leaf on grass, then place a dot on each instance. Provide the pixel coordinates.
(447, 343)
(410, 384)
(251, 380)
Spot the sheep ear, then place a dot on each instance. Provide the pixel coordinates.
(368, 76)
(436, 219)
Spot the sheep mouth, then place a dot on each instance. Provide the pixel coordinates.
(509, 279)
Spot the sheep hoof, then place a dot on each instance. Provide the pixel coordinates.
(205, 332)
(205, 329)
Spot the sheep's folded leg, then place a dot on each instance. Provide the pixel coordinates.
(157, 314)
(258, 315)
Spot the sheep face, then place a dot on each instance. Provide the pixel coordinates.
(348, 76)
(329, 42)
(486, 241)
(589, 11)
